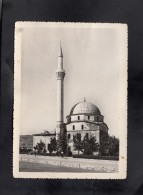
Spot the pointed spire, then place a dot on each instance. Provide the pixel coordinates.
(60, 54)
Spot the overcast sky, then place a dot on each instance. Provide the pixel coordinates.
(91, 62)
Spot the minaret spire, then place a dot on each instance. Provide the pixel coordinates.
(60, 73)
(60, 54)
(60, 58)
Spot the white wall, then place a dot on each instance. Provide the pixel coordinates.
(45, 139)
(82, 117)
(78, 125)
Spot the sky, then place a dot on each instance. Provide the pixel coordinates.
(92, 58)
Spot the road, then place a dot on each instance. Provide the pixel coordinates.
(70, 163)
(36, 167)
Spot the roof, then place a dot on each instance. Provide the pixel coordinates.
(46, 133)
(85, 108)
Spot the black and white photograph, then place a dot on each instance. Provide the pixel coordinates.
(70, 100)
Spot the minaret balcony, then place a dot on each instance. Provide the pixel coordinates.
(60, 74)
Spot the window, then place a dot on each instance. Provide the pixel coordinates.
(86, 135)
(82, 126)
(69, 136)
(88, 117)
(78, 117)
(73, 127)
(78, 136)
(69, 119)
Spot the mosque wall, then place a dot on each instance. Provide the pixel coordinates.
(89, 117)
(71, 134)
(81, 126)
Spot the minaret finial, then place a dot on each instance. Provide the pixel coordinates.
(84, 99)
(60, 54)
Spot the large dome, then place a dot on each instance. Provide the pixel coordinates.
(85, 108)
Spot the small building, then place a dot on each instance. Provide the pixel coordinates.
(43, 137)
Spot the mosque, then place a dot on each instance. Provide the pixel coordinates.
(84, 118)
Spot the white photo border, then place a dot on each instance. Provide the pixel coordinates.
(122, 174)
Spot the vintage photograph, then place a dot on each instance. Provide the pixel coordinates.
(70, 100)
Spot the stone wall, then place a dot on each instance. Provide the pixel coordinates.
(26, 141)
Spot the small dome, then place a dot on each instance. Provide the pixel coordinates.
(85, 108)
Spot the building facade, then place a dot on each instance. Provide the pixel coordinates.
(85, 118)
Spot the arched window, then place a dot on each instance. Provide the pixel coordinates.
(73, 127)
(69, 136)
(82, 127)
(78, 117)
(88, 117)
(78, 136)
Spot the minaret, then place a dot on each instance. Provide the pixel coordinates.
(60, 73)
